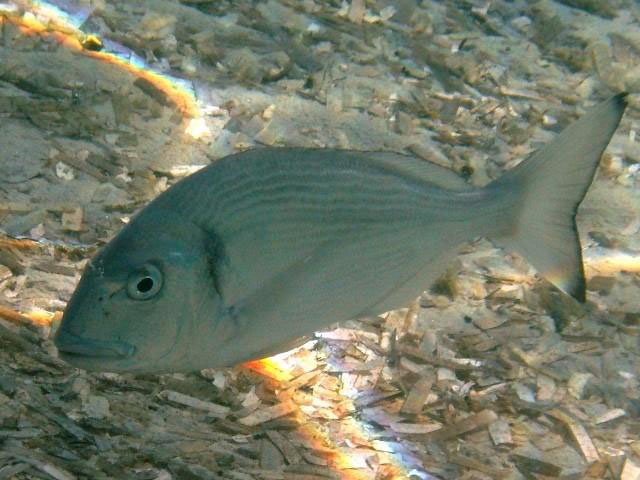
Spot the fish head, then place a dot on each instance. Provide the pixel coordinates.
(146, 303)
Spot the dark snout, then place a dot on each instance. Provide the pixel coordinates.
(75, 338)
(70, 345)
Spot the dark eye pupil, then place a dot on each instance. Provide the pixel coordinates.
(145, 284)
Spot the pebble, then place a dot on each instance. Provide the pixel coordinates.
(96, 407)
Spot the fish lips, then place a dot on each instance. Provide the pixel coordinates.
(82, 351)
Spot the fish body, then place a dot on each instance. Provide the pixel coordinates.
(268, 245)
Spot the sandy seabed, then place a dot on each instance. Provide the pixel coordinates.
(491, 374)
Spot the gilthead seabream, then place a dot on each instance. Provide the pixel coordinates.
(269, 245)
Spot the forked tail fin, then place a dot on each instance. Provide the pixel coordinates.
(547, 189)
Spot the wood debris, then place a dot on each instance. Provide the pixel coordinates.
(266, 414)
(472, 422)
(209, 407)
(609, 416)
(500, 432)
(414, 428)
(630, 471)
(479, 466)
(38, 461)
(417, 396)
(290, 453)
(579, 434)
(528, 465)
(497, 376)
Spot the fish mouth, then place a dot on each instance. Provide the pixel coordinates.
(74, 347)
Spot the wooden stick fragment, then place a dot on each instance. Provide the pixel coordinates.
(417, 396)
(213, 409)
(529, 465)
(370, 398)
(301, 380)
(270, 457)
(61, 420)
(414, 428)
(16, 339)
(609, 416)
(579, 435)
(9, 471)
(473, 422)
(478, 465)
(453, 364)
(290, 453)
(500, 432)
(270, 413)
(39, 461)
(630, 471)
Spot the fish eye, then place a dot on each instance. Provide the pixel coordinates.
(144, 283)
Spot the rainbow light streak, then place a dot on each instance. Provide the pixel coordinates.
(62, 13)
(355, 460)
(602, 261)
(46, 19)
(180, 91)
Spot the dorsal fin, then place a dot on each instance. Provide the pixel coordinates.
(423, 170)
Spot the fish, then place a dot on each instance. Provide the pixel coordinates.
(268, 245)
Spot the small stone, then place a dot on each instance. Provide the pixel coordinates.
(577, 384)
(387, 12)
(19, 225)
(109, 195)
(524, 392)
(268, 112)
(155, 26)
(500, 432)
(546, 388)
(72, 220)
(489, 320)
(81, 387)
(5, 272)
(111, 138)
(37, 232)
(601, 284)
(446, 374)
(602, 239)
(96, 407)
(521, 23)
(64, 171)
(219, 380)
(613, 164)
(356, 11)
